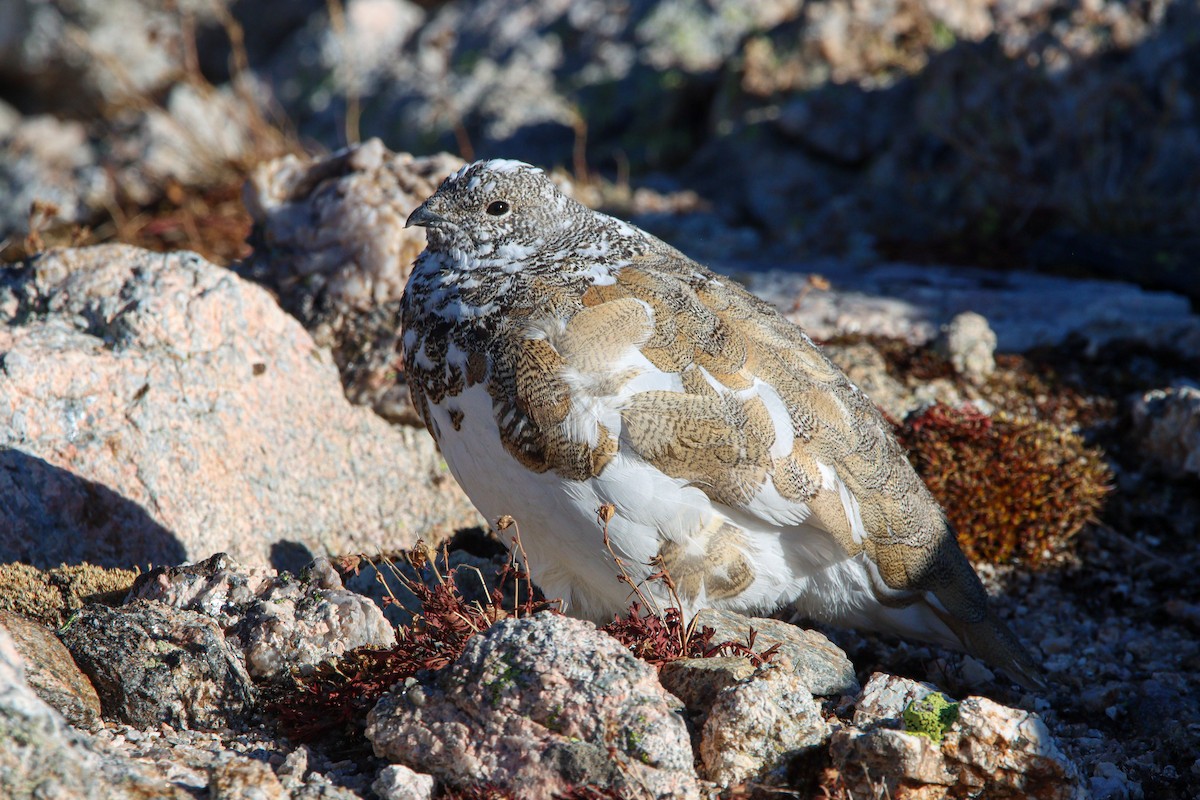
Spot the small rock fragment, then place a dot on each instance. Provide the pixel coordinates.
(1167, 430)
(398, 782)
(243, 779)
(884, 699)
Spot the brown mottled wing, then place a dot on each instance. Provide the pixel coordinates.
(718, 435)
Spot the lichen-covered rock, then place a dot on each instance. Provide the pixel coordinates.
(1007, 751)
(931, 716)
(757, 725)
(156, 408)
(51, 672)
(42, 756)
(51, 596)
(331, 242)
(151, 663)
(884, 699)
(1167, 430)
(279, 621)
(820, 664)
(540, 705)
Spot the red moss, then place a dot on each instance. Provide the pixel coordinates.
(335, 698)
(1013, 488)
(661, 639)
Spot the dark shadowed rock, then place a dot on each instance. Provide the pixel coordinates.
(151, 663)
(42, 756)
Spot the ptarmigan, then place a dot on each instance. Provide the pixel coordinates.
(566, 361)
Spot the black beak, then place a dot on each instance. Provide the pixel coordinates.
(422, 216)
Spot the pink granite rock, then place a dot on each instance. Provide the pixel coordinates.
(538, 706)
(757, 725)
(157, 408)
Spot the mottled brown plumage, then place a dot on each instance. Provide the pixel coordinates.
(565, 360)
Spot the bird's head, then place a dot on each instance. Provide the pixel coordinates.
(492, 207)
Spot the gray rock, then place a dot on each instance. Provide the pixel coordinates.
(42, 756)
(910, 302)
(279, 622)
(970, 345)
(157, 408)
(698, 681)
(1167, 430)
(521, 78)
(49, 165)
(537, 705)
(51, 672)
(857, 128)
(333, 246)
(83, 55)
(151, 664)
(757, 725)
(820, 664)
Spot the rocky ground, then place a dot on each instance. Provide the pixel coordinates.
(198, 356)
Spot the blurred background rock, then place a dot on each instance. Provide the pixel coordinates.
(1056, 135)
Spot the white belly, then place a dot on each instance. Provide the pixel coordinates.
(559, 527)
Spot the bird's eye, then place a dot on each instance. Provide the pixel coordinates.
(497, 208)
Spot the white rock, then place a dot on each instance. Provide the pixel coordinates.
(398, 782)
